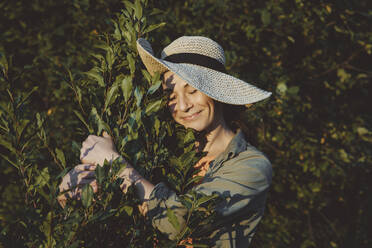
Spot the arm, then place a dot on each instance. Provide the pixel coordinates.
(95, 150)
(241, 183)
(143, 187)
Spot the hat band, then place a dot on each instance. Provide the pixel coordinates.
(196, 59)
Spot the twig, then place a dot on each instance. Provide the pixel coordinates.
(343, 64)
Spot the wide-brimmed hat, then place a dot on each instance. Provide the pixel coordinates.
(200, 61)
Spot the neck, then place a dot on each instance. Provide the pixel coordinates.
(216, 139)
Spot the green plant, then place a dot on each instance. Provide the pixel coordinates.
(128, 104)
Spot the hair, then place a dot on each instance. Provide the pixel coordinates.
(232, 114)
(235, 117)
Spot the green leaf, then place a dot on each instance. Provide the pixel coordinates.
(126, 87)
(110, 58)
(27, 96)
(132, 63)
(100, 174)
(138, 9)
(157, 126)
(47, 225)
(265, 17)
(205, 199)
(10, 161)
(153, 27)
(87, 195)
(128, 5)
(153, 107)
(343, 75)
(111, 96)
(172, 218)
(138, 94)
(193, 180)
(281, 88)
(189, 137)
(293, 90)
(291, 39)
(147, 75)
(4, 64)
(98, 121)
(7, 145)
(187, 158)
(78, 93)
(153, 88)
(96, 74)
(61, 157)
(41, 179)
(128, 210)
(82, 120)
(344, 155)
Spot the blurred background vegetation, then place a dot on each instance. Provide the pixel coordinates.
(315, 56)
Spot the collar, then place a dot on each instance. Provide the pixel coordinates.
(236, 146)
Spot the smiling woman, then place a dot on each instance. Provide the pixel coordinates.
(189, 106)
(198, 87)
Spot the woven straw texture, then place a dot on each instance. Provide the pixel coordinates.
(217, 85)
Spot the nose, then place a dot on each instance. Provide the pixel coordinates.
(184, 104)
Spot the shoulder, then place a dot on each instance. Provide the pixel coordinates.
(248, 162)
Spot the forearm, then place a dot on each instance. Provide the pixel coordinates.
(143, 187)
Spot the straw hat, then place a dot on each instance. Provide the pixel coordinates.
(200, 61)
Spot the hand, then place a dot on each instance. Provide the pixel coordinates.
(95, 150)
(73, 181)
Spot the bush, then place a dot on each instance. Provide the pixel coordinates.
(315, 129)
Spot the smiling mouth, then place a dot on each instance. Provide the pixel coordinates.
(191, 117)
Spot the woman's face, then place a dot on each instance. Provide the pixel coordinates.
(189, 106)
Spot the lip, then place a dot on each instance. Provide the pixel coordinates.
(191, 117)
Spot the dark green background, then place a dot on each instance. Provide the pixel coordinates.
(315, 56)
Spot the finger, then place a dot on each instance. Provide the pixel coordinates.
(87, 175)
(82, 153)
(84, 143)
(71, 194)
(75, 191)
(84, 181)
(94, 186)
(62, 200)
(74, 179)
(85, 167)
(106, 135)
(90, 140)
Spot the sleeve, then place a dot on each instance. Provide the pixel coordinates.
(161, 199)
(237, 183)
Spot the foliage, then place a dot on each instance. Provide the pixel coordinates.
(316, 130)
(128, 104)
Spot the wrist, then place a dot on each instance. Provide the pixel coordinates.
(128, 173)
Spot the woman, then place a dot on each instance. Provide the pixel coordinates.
(194, 75)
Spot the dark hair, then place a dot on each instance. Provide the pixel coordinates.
(232, 114)
(236, 118)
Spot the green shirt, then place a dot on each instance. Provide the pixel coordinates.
(241, 176)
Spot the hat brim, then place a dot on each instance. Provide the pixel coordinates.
(217, 85)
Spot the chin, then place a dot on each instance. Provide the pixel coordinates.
(195, 126)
